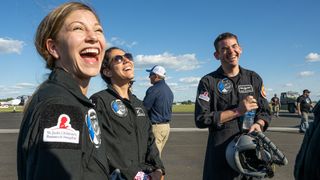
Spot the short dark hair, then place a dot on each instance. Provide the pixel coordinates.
(107, 62)
(223, 36)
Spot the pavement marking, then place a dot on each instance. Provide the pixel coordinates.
(9, 131)
(272, 129)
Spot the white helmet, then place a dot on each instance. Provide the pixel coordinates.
(253, 155)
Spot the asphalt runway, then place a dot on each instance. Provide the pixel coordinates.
(183, 155)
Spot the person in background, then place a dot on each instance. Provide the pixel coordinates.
(223, 97)
(275, 103)
(126, 129)
(304, 105)
(158, 101)
(59, 136)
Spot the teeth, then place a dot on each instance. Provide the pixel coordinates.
(90, 50)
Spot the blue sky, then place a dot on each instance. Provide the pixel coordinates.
(280, 41)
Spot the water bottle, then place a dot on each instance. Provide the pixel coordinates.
(248, 119)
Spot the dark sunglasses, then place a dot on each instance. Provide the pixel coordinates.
(120, 58)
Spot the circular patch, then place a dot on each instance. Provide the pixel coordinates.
(225, 86)
(119, 108)
(93, 127)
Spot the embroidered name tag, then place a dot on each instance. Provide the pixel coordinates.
(245, 88)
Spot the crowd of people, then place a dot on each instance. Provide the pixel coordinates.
(113, 134)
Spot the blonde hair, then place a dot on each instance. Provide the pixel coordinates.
(51, 25)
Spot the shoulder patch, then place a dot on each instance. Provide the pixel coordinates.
(62, 132)
(263, 92)
(204, 96)
(61, 126)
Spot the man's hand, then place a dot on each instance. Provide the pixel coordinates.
(247, 104)
(257, 126)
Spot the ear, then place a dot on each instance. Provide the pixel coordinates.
(107, 72)
(216, 55)
(52, 48)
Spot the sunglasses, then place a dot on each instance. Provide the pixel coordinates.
(120, 58)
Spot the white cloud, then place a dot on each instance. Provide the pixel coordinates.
(192, 80)
(8, 46)
(312, 57)
(306, 73)
(182, 62)
(116, 41)
(288, 85)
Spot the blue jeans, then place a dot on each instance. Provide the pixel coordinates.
(304, 124)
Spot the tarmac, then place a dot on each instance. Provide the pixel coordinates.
(183, 155)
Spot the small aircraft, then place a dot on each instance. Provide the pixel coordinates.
(13, 102)
(20, 100)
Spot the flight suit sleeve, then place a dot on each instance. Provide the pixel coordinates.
(204, 115)
(55, 143)
(263, 112)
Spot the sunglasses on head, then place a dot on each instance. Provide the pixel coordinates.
(120, 58)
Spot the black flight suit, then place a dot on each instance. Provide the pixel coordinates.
(127, 133)
(307, 161)
(217, 93)
(54, 140)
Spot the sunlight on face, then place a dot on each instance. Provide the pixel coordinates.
(81, 44)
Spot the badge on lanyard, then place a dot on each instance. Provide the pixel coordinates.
(119, 108)
(225, 86)
(93, 127)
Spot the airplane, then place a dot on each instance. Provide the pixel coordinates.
(20, 100)
(13, 102)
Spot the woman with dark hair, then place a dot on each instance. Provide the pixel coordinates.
(126, 129)
(60, 135)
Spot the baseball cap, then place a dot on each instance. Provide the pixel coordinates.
(159, 70)
(306, 91)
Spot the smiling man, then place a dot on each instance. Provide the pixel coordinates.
(223, 97)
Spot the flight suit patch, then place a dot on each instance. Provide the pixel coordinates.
(93, 127)
(62, 132)
(119, 108)
(225, 86)
(61, 126)
(140, 111)
(245, 88)
(204, 96)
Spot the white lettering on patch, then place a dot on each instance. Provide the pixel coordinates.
(62, 132)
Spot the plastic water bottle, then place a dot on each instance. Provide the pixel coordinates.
(248, 119)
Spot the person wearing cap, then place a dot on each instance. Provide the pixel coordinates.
(304, 105)
(223, 98)
(126, 130)
(158, 101)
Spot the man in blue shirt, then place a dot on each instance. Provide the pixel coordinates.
(158, 101)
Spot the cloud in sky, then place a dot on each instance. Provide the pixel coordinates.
(184, 62)
(190, 80)
(306, 73)
(313, 57)
(8, 46)
(116, 41)
(288, 85)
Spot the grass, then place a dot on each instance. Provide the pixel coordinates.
(11, 108)
(185, 108)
